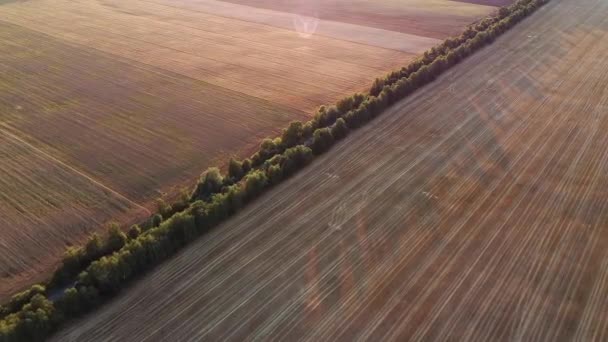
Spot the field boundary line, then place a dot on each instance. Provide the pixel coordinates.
(4, 129)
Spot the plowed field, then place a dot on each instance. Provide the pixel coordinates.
(476, 210)
(127, 101)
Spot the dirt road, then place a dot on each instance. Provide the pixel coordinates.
(476, 210)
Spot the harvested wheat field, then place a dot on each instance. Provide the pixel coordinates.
(475, 210)
(428, 18)
(121, 102)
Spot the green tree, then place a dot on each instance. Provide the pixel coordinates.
(339, 130)
(322, 140)
(94, 246)
(134, 231)
(235, 169)
(293, 134)
(275, 174)
(156, 220)
(211, 182)
(255, 183)
(116, 237)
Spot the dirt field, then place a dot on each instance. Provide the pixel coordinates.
(428, 18)
(474, 211)
(120, 102)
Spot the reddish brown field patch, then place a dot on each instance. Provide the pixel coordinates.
(436, 19)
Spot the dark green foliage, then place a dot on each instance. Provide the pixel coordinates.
(134, 231)
(322, 140)
(307, 130)
(295, 158)
(255, 182)
(94, 245)
(293, 134)
(376, 87)
(235, 169)
(211, 182)
(17, 301)
(349, 103)
(274, 174)
(246, 165)
(163, 208)
(339, 130)
(116, 238)
(268, 148)
(156, 220)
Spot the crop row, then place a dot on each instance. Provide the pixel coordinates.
(110, 264)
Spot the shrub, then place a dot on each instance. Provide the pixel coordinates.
(156, 220)
(322, 140)
(295, 158)
(116, 238)
(255, 183)
(246, 165)
(134, 231)
(293, 134)
(235, 169)
(211, 182)
(18, 300)
(339, 130)
(274, 174)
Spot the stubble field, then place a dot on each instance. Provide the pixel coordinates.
(475, 210)
(117, 103)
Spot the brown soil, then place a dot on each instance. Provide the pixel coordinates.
(437, 18)
(476, 210)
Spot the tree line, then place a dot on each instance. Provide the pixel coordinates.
(102, 267)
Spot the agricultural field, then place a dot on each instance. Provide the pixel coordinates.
(107, 105)
(474, 210)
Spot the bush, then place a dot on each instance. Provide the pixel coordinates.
(274, 174)
(116, 238)
(295, 158)
(293, 134)
(20, 299)
(134, 232)
(255, 182)
(339, 130)
(156, 220)
(235, 170)
(322, 140)
(211, 182)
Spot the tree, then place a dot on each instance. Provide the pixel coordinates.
(94, 246)
(322, 140)
(156, 220)
(503, 12)
(163, 208)
(235, 169)
(293, 134)
(255, 183)
(268, 148)
(211, 182)
(339, 130)
(70, 303)
(275, 174)
(295, 158)
(376, 87)
(116, 237)
(307, 130)
(134, 231)
(246, 165)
